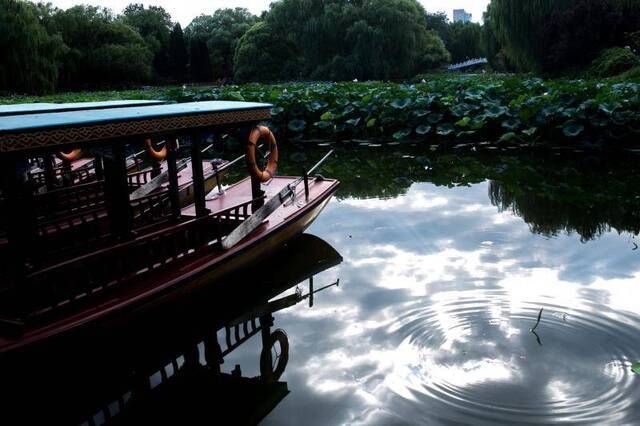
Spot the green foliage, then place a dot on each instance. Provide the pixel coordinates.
(556, 35)
(465, 41)
(517, 111)
(29, 54)
(178, 55)
(373, 39)
(513, 110)
(154, 25)
(262, 54)
(102, 51)
(613, 61)
(519, 27)
(574, 35)
(200, 68)
(222, 32)
(631, 75)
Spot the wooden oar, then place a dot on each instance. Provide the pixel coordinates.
(249, 225)
(157, 181)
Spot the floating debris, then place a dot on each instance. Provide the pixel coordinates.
(537, 322)
(562, 315)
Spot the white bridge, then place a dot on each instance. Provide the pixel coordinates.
(467, 63)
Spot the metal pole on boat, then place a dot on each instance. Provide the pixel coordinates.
(18, 211)
(117, 191)
(174, 193)
(97, 161)
(199, 193)
(49, 173)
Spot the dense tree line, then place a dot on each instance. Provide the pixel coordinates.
(339, 40)
(555, 36)
(86, 47)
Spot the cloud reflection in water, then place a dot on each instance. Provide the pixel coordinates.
(432, 322)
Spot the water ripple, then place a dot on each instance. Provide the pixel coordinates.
(473, 352)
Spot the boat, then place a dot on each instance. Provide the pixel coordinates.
(171, 363)
(64, 170)
(59, 284)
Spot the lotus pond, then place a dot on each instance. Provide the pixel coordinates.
(449, 260)
(447, 109)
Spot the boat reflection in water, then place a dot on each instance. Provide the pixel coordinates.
(166, 366)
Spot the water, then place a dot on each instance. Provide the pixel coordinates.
(445, 261)
(445, 273)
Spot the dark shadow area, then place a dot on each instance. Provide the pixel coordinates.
(164, 366)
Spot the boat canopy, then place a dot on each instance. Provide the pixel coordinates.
(50, 130)
(35, 108)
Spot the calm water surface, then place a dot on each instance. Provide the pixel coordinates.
(445, 260)
(448, 261)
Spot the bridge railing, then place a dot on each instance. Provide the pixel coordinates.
(467, 63)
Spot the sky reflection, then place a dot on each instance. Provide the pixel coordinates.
(439, 290)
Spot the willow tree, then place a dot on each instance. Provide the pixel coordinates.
(532, 31)
(363, 39)
(103, 51)
(519, 28)
(264, 54)
(29, 54)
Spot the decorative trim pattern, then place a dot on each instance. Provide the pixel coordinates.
(77, 134)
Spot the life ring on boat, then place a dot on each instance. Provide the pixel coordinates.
(160, 154)
(258, 133)
(268, 371)
(69, 155)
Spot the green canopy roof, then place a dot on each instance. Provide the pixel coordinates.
(36, 108)
(23, 132)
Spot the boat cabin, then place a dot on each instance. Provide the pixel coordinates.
(59, 170)
(75, 254)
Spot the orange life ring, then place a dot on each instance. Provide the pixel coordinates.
(69, 156)
(262, 132)
(159, 155)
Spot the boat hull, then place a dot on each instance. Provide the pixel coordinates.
(207, 273)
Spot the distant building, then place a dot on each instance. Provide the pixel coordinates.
(461, 15)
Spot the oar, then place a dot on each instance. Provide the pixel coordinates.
(249, 225)
(157, 181)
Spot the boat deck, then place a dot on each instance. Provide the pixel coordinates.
(191, 268)
(241, 192)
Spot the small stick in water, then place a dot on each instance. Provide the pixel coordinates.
(537, 322)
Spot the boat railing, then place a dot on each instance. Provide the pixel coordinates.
(138, 179)
(74, 280)
(151, 208)
(64, 175)
(64, 233)
(64, 201)
(71, 231)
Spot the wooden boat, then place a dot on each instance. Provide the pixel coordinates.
(175, 349)
(81, 170)
(168, 251)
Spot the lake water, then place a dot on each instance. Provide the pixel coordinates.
(448, 261)
(445, 262)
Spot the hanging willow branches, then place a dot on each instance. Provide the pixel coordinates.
(520, 30)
